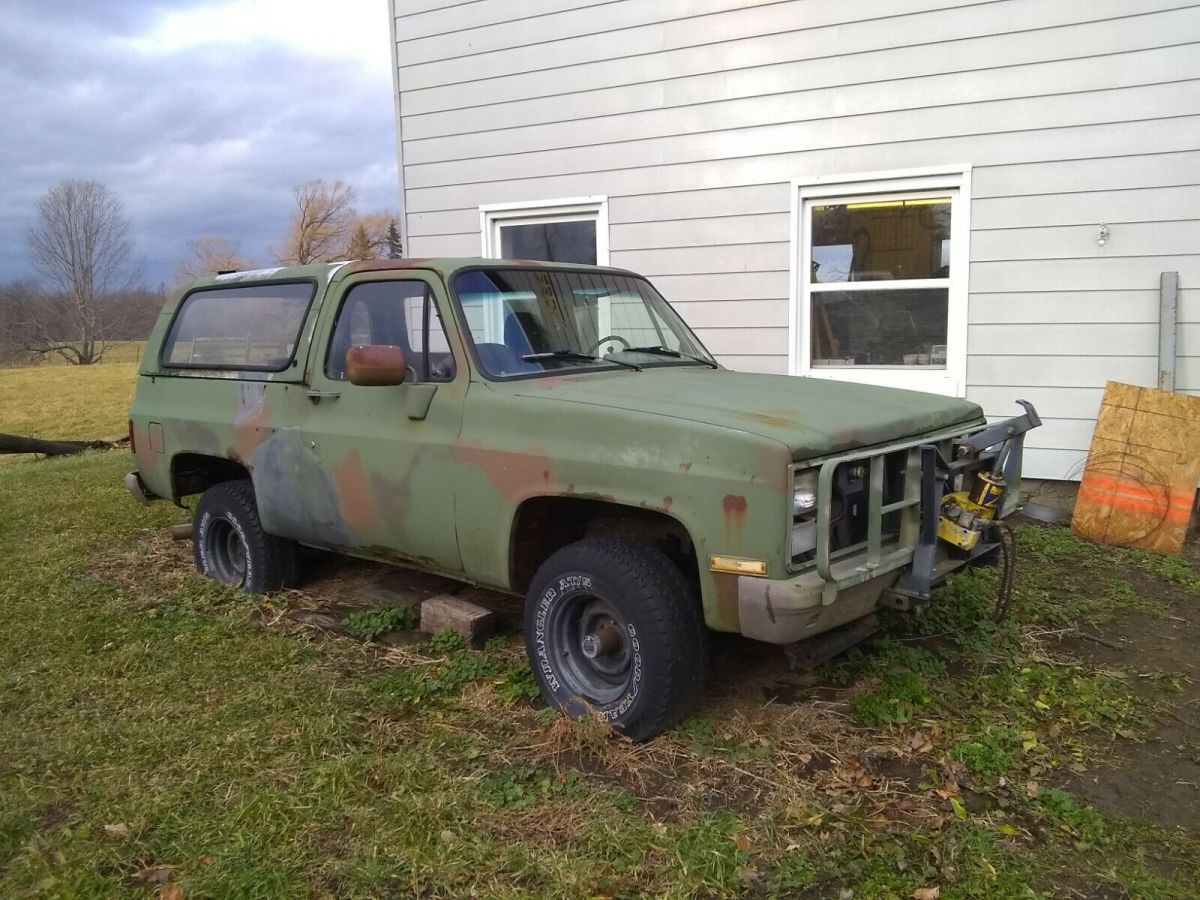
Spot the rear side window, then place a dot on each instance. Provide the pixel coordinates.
(252, 327)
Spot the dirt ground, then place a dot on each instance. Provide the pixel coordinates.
(1158, 780)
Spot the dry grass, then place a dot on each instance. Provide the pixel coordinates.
(67, 402)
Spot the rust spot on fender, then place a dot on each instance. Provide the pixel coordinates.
(735, 518)
(667, 501)
(685, 467)
(250, 422)
(769, 419)
(773, 463)
(356, 500)
(515, 474)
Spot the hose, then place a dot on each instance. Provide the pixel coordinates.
(1007, 539)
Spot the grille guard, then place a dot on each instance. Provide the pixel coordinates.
(998, 446)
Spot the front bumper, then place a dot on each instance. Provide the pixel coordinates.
(899, 567)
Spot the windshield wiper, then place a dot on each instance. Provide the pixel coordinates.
(572, 354)
(667, 351)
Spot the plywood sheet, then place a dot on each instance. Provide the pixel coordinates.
(1139, 483)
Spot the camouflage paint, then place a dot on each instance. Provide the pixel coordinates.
(709, 448)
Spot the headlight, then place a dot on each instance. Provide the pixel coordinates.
(804, 538)
(804, 494)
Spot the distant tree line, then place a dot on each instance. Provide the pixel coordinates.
(88, 294)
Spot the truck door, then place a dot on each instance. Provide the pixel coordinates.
(385, 452)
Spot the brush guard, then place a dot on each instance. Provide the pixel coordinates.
(998, 447)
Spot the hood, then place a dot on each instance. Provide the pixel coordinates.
(812, 416)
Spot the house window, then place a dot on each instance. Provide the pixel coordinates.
(879, 279)
(564, 231)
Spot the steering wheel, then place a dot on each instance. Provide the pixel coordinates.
(604, 340)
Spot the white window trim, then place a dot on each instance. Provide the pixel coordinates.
(568, 209)
(955, 177)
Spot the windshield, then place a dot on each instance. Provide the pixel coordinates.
(536, 320)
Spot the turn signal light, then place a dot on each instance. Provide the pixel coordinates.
(738, 566)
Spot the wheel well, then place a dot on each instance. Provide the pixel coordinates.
(194, 473)
(544, 525)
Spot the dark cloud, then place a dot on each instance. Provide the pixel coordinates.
(203, 140)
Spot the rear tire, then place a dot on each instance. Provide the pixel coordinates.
(612, 628)
(230, 546)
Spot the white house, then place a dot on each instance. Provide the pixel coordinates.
(976, 197)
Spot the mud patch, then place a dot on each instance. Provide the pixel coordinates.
(1159, 780)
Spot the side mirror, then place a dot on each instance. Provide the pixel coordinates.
(375, 365)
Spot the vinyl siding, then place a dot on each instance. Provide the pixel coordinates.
(692, 117)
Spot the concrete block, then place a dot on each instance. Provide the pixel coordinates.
(443, 612)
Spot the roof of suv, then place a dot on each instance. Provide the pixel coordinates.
(443, 265)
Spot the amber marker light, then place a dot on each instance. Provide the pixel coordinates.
(738, 566)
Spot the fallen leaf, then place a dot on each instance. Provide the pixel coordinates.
(206, 859)
(960, 811)
(153, 875)
(170, 892)
(1032, 790)
(742, 842)
(929, 893)
(119, 830)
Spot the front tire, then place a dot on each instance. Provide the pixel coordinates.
(230, 545)
(611, 627)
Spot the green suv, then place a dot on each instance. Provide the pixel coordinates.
(555, 432)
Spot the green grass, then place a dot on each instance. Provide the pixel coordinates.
(151, 720)
(69, 402)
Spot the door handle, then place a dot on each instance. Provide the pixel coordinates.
(317, 396)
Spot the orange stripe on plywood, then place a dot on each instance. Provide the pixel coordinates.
(1103, 481)
(1136, 504)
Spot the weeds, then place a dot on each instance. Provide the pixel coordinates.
(369, 624)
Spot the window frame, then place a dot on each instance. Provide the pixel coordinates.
(167, 343)
(468, 340)
(430, 303)
(955, 181)
(494, 216)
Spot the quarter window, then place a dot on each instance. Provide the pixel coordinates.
(251, 327)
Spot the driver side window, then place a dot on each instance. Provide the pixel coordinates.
(399, 313)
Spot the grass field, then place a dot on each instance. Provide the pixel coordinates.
(159, 732)
(69, 402)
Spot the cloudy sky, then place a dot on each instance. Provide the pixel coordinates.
(200, 116)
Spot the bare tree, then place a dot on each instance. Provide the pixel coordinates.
(15, 299)
(321, 223)
(209, 254)
(80, 244)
